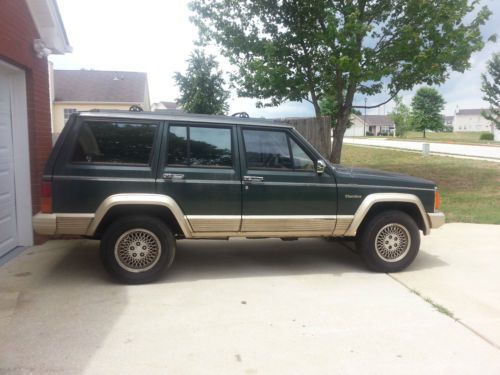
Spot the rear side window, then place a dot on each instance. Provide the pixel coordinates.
(199, 146)
(114, 143)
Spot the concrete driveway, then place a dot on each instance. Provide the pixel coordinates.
(491, 153)
(257, 307)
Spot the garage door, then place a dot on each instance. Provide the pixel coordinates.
(8, 221)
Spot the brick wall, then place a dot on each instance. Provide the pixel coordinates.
(17, 32)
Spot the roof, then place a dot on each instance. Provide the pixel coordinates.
(99, 86)
(182, 116)
(381, 120)
(49, 24)
(169, 105)
(471, 112)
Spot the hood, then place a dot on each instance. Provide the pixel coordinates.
(365, 176)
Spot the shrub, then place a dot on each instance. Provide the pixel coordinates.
(369, 134)
(486, 137)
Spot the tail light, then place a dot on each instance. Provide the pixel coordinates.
(46, 197)
(437, 200)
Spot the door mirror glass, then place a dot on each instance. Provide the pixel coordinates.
(320, 166)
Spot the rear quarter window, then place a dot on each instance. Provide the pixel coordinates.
(109, 142)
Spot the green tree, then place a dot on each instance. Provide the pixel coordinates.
(306, 50)
(426, 108)
(401, 117)
(328, 107)
(491, 89)
(202, 88)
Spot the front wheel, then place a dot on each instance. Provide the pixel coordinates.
(136, 249)
(389, 241)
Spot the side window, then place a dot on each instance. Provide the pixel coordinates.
(301, 161)
(114, 143)
(199, 146)
(177, 145)
(267, 149)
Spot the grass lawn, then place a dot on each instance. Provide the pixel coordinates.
(455, 137)
(470, 189)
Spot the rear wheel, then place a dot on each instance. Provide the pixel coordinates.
(389, 241)
(137, 249)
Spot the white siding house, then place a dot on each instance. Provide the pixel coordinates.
(471, 120)
(374, 124)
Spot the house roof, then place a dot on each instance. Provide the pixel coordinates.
(99, 86)
(169, 105)
(471, 112)
(382, 120)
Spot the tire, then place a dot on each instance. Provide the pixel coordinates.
(137, 249)
(379, 241)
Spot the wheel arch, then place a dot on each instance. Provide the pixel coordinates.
(378, 202)
(157, 205)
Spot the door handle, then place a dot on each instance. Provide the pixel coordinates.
(172, 176)
(253, 179)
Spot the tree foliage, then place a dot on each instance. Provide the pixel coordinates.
(309, 49)
(401, 116)
(491, 89)
(328, 107)
(202, 87)
(426, 108)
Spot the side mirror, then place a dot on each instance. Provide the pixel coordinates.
(320, 167)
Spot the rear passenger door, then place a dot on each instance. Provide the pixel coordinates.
(281, 190)
(200, 171)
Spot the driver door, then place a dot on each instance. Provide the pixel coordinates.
(282, 192)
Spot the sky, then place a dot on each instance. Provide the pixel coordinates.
(156, 37)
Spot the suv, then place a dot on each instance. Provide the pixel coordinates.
(140, 181)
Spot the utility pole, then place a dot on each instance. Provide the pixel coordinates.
(364, 120)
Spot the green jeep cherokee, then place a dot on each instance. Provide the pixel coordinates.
(141, 181)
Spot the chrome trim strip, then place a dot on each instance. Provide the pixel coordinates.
(382, 187)
(273, 183)
(142, 199)
(273, 234)
(437, 219)
(371, 199)
(98, 178)
(220, 182)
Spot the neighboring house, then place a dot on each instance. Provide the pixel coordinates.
(82, 90)
(370, 124)
(162, 106)
(471, 120)
(30, 30)
(448, 121)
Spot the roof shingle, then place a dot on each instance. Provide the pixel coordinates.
(381, 120)
(99, 86)
(471, 112)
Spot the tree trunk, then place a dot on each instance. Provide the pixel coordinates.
(338, 136)
(317, 109)
(424, 132)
